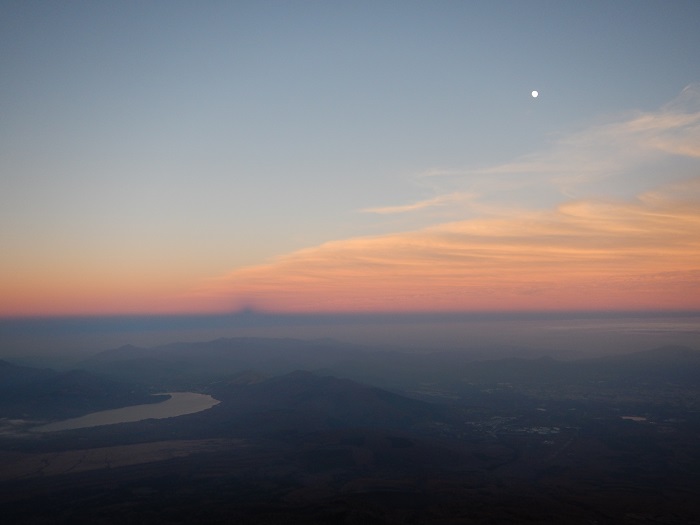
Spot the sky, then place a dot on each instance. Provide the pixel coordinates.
(181, 157)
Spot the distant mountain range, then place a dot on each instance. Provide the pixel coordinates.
(27, 392)
(182, 362)
(182, 365)
(127, 375)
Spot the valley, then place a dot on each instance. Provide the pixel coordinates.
(510, 442)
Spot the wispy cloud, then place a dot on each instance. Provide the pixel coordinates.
(643, 253)
(441, 200)
(600, 249)
(588, 160)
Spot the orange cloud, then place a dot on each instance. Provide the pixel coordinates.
(591, 254)
(587, 253)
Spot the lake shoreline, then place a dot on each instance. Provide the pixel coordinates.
(177, 404)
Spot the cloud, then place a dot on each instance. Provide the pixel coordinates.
(604, 219)
(421, 205)
(589, 160)
(598, 254)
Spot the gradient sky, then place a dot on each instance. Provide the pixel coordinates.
(348, 156)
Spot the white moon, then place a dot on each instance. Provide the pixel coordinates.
(535, 94)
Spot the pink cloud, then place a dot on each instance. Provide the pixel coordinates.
(584, 254)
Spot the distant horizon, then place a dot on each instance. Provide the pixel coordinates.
(486, 313)
(554, 333)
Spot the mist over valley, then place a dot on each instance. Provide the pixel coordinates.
(315, 431)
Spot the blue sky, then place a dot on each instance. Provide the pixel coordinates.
(172, 143)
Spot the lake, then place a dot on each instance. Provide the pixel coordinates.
(179, 404)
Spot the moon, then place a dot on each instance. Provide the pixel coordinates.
(535, 94)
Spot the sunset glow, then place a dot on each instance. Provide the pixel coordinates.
(584, 255)
(290, 170)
